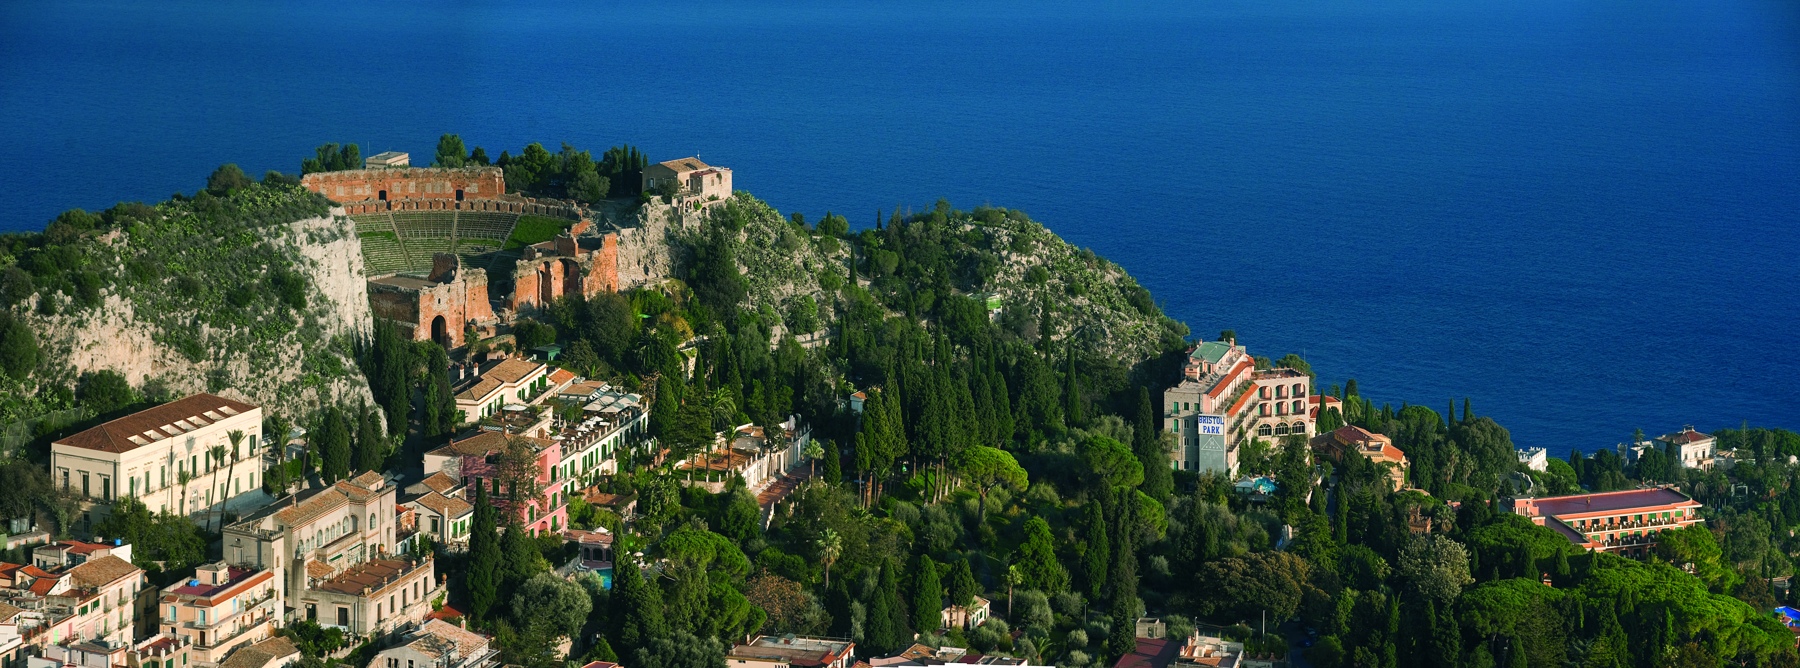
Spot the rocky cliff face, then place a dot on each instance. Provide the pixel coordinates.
(158, 336)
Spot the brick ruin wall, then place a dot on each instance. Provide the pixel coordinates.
(421, 183)
(570, 271)
(459, 295)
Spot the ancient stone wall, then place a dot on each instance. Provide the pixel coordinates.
(388, 185)
(454, 293)
(565, 266)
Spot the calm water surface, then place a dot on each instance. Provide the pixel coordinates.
(1579, 213)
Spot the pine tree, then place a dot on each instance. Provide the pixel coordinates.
(1098, 559)
(927, 595)
(484, 557)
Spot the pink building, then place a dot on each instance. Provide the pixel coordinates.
(1625, 522)
(1224, 401)
(475, 462)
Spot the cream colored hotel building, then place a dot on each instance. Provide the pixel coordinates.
(144, 455)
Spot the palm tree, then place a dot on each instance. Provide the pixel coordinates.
(184, 477)
(830, 546)
(236, 437)
(813, 452)
(1014, 577)
(217, 453)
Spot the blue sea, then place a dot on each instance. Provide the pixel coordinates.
(1580, 214)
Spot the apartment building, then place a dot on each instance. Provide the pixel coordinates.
(510, 381)
(474, 461)
(1624, 522)
(158, 651)
(372, 598)
(612, 420)
(168, 457)
(315, 535)
(439, 644)
(443, 516)
(1223, 401)
(221, 609)
(96, 600)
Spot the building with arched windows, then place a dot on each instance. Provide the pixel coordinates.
(1224, 400)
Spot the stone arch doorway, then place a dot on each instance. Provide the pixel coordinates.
(440, 331)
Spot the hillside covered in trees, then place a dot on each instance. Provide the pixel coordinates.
(1009, 448)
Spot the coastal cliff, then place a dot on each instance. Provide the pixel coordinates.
(258, 295)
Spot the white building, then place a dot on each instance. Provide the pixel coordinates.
(165, 457)
(1536, 459)
(1690, 448)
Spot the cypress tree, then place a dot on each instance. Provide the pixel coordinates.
(371, 441)
(1122, 637)
(1159, 480)
(1072, 391)
(640, 608)
(484, 557)
(834, 472)
(336, 465)
(963, 588)
(1003, 412)
(927, 595)
(1466, 416)
(1099, 552)
(520, 555)
(886, 625)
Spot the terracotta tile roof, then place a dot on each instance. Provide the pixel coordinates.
(440, 482)
(512, 370)
(561, 376)
(684, 165)
(35, 572)
(261, 654)
(372, 575)
(446, 506)
(310, 509)
(481, 388)
(1150, 653)
(468, 643)
(486, 443)
(42, 587)
(1685, 437)
(9, 611)
(156, 424)
(100, 572)
(369, 480)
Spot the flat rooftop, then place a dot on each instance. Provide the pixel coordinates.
(1610, 501)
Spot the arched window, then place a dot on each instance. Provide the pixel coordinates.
(1280, 391)
(1263, 430)
(1297, 407)
(1281, 430)
(1264, 409)
(1281, 408)
(1299, 427)
(1265, 392)
(1299, 390)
